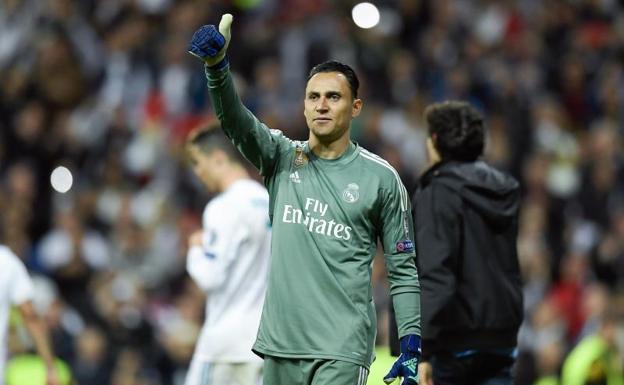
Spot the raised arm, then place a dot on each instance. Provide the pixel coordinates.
(260, 145)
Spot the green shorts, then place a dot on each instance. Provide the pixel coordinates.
(288, 371)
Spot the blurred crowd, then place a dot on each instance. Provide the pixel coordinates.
(107, 89)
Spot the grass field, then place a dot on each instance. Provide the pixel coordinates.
(381, 366)
(29, 369)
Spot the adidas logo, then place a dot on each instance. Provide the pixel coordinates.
(294, 177)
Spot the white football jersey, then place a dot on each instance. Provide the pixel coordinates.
(232, 268)
(15, 288)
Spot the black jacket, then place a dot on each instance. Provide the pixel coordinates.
(466, 221)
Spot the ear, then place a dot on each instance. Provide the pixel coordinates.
(434, 141)
(432, 151)
(356, 107)
(191, 153)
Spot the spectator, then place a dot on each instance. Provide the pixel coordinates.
(597, 358)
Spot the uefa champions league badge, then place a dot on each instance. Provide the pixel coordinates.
(351, 193)
(405, 246)
(300, 157)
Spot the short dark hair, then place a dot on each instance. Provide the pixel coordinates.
(335, 66)
(458, 128)
(211, 137)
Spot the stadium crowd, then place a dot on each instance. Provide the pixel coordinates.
(106, 88)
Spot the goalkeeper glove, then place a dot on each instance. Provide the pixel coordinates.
(210, 44)
(406, 365)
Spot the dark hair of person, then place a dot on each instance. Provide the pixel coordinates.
(334, 66)
(210, 138)
(458, 128)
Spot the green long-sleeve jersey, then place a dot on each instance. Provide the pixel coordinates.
(327, 216)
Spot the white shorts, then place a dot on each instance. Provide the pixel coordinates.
(210, 373)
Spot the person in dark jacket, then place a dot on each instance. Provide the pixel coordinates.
(466, 218)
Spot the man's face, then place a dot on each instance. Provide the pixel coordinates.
(205, 166)
(329, 106)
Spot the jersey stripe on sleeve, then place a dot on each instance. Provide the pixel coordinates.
(375, 158)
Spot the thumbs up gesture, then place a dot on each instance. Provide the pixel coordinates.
(210, 44)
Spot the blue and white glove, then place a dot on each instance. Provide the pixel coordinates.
(406, 366)
(210, 44)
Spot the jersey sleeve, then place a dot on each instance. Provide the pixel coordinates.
(397, 235)
(258, 144)
(21, 289)
(223, 236)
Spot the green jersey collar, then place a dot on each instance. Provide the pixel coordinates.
(350, 153)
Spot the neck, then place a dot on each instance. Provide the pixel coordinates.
(331, 150)
(434, 161)
(233, 175)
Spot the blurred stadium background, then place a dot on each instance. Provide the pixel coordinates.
(106, 89)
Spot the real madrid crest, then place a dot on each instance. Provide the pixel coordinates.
(351, 193)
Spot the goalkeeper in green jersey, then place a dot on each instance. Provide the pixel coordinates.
(330, 202)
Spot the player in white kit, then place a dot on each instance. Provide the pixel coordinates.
(16, 289)
(229, 260)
